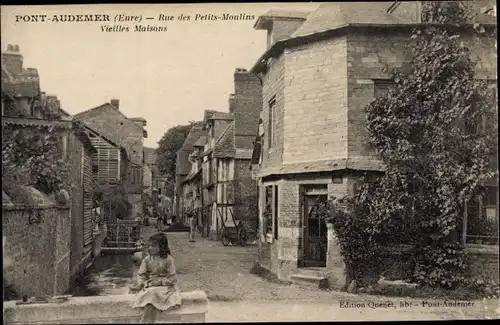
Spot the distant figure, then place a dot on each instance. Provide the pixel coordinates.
(174, 218)
(192, 224)
(161, 211)
(157, 280)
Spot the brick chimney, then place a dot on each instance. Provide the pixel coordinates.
(115, 103)
(247, 92)
(245, 105)
(12, 59)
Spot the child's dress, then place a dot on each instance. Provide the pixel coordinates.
(163, 297)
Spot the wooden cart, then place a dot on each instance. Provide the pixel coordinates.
(233, 232)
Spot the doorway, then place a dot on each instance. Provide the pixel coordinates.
(314, 231)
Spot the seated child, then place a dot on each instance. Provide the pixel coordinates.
(157, 280)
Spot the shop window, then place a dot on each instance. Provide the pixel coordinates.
(270, 215)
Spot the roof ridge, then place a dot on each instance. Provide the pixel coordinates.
(103, 105)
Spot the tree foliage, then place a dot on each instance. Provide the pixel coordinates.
(114, 202)
(431, 131)
(166, 153)
(33, 158)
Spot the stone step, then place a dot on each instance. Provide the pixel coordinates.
(309, 280)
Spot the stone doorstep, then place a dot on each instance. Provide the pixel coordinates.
(310, 278)
(101, 309)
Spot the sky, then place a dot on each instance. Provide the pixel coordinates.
(169, 78)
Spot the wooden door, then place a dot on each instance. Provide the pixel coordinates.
(314, 232)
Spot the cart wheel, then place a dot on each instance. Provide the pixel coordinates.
(242, 236)
(225, 240)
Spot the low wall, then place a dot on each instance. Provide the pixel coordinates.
(484, 261)
(37, 242)
(103, 309)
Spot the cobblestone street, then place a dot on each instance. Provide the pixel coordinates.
(237, 295)
(224, 272)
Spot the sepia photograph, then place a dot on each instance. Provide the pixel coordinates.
(250, 162)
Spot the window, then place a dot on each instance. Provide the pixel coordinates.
(382, 87)
(135, 175)
(482, 218)
(272, 122)
(479, 124)
(270, 215)
(337, 178)
(275, 212)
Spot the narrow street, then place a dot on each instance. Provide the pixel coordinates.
(237, 295)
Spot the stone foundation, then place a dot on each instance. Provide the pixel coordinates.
(103, 309)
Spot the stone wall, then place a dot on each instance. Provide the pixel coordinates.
(370, 56)
(484, 262)
(104, 310)
(273, 87)
(40, 251)
(315, 95)
(246, 196)
(283, 254)
(373, 55)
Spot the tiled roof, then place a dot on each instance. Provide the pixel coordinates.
(36, 122)
(224, 146)
(334, 15)
(286, 13)
(193, 135)
(96, 110)
(201, 141)
(221, 116)
(183, 165)
(207, 114)
(323, 166)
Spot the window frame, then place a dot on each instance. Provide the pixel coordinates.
(272, 122)
(271, 234)
(386, 84)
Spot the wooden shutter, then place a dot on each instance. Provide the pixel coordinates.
(88, 225)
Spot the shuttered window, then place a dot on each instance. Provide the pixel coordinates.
(88, 225)
(108, 165)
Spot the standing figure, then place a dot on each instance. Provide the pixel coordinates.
(192, 224)
(157, 280)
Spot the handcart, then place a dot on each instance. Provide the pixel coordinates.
(233, 232)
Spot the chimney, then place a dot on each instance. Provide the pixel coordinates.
(13, 59)
(247, 88)
(115, 103)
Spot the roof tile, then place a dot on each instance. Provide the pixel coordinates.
(334, 15)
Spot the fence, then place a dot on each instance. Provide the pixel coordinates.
(123, 234)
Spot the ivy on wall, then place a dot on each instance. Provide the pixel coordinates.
(433, 131)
